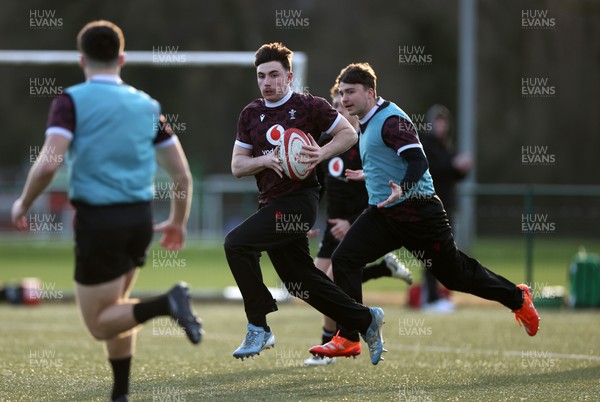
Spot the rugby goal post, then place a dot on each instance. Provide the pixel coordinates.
(152, 58)
(212, 195)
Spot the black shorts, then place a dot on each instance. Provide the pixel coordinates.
(110, 240)
(328, 244)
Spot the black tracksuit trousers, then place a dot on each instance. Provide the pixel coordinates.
(279, 228)
(422, 227)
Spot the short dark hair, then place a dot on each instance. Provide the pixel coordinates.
(101, 41)
(275, 51)
(358, 73)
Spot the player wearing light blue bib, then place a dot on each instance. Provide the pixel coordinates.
(113, 137)
(105, 166)
(404, 211)
(381, 162)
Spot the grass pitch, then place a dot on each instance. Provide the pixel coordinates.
(474, 354)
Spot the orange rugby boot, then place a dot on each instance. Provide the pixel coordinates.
(338, 346)
(527, 316)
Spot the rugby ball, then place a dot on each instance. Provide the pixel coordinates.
(290, 145)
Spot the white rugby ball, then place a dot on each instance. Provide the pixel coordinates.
(292, 162)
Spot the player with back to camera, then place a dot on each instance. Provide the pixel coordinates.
(346, 200)
(114, 135)
(404, 211)
(260, 125)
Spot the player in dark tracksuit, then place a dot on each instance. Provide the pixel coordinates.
(287, 209)
(346, 200)
(404, 211)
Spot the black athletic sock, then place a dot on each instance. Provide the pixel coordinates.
(375, 271)
(261, 322)
(150, 308)
(353, 336)
(520, 298)
(327, 336)
(120, 368)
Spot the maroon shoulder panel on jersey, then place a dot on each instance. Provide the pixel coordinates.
(246, 122)
(398, 132)
(62, 113)
(164, 132)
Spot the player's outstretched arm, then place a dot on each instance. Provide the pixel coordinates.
(172, 159)
(40, 175)
(244, 164)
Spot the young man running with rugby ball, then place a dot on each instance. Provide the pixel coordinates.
(260, 125)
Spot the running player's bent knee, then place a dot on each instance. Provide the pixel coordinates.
(99, 333)
(237, 239)
(340, 264)
(230, 243)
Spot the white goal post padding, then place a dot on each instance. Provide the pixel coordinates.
(151, 58)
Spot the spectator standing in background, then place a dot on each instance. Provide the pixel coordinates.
(446, 168)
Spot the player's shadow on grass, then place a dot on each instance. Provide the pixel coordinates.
(263, 384)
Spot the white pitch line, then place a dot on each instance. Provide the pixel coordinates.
(519, 353)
